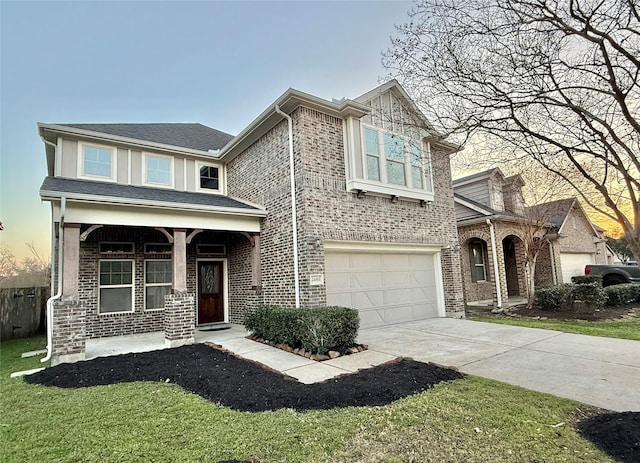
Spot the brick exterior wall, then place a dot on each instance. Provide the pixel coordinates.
(68, 343)
(179, 319)
(326, 211)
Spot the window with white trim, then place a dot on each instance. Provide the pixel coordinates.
(209, 177)
(158, 170)
(157, 282)
(115, 286)
(477, 260)
(394, 159)
(96, 161)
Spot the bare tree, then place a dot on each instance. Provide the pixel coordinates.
(549, 80)
(32, 271)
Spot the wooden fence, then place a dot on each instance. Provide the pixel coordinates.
(22, 311)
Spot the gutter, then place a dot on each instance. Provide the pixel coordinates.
(58, 295)
(494, 255)
(294, 222)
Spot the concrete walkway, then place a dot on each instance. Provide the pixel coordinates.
(604, 372)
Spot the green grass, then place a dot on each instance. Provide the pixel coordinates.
(623, 329)
(471, 420)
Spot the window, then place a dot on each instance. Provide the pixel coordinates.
(373, 154)
(218, 249)
(115, 286)
(209, 178)
(157, 282)
(97, 161)
(477, 259)
(116, 248)
(157, 248)
(158, 170)
(402, 163)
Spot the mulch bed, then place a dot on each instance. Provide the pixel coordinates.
(577, 312)
(246, 386)
(617, 434)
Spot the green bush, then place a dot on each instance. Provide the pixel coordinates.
(592, 294)
(553, 297)
(622, 294)
(587, 279)
(317, 330)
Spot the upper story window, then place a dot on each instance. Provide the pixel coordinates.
(208, 177)
(158, 170)
(97, 162)
(393, 159)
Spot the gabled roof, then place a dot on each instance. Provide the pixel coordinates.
(477, 176)
(56, 187)
(474, 205)
(554, 212)
(185, 135)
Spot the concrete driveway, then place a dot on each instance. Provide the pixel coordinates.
(604, 372)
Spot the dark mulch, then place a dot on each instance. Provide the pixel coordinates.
(617, 434)
(246, 386)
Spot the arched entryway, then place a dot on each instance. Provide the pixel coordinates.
(512, 247)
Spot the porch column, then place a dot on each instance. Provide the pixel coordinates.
(179, 256)
(179, 306)
(69, 314)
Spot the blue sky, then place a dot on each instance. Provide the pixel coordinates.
(217, 63)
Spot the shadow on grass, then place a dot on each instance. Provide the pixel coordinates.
(246, 386)
(617, 434)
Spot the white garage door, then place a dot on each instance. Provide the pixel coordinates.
(385, 288)
(573, 264)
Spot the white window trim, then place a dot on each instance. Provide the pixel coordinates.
(132, 286)
(152, 284)
(145, 179)
(221, 174)
(382, 186)
(114, 162)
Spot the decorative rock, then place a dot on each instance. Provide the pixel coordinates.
(307, 355)
(333, 354)
(314, 357)
(302, 352)
(353, 350)
(322, 357)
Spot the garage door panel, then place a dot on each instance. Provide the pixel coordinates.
(573, 264)
(386, 288)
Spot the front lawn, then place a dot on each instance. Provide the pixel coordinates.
(471, 420)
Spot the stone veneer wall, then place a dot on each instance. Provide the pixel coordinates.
(326, 211)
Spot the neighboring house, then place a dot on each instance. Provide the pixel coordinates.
(577, 242)
(492, 218)
(169, 227)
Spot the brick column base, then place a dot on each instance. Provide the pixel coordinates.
(453, 293)
(69, 336)
(179, 319)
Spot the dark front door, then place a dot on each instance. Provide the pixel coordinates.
(210, 292)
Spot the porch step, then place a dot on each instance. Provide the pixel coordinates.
(214, 327)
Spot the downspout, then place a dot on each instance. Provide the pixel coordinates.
(554, 276)
(58, 295)
(294, 222)
(496, 269)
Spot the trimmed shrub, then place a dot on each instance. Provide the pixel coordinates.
(328, 328)
(592, 294)
(587, 279)
(553, 297)
(317, 330)
(622, 294)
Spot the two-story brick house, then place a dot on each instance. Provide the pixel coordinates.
(170, 227)
(492, 228)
